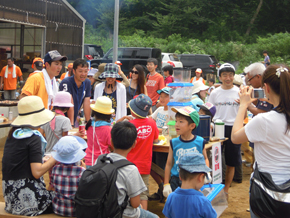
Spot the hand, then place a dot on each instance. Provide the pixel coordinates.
(80, 133)
(245, 96)
(207, 178)
(46, 158)
(167, 190)
(83, 165)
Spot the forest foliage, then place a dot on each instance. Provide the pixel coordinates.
(232, 30)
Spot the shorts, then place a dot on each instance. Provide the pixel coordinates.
(144, 195)
(146, 214)
(232, 151)
(160, 159)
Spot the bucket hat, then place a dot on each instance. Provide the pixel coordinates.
(193, 162)
(68, 150)
(111, 70)
(103, 105)
(62, 99)
(140, 105)
(198, 86)
(188, 111)
(31, 112)
(208, 107)
(166, 90)
(101, 69)
(54, 56)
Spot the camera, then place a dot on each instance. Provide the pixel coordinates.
(258, 93)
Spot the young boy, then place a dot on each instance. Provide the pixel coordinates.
(66, 174)
(129, 181)
(192, 174)
(187, 119)
(161, 116)
(141, 154)
(168, 71)
(154, 81)
(210, 110)
(224, 98)
(211, 85)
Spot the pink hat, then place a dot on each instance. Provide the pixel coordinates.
(62, 99)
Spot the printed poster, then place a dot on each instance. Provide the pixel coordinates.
(216, 163)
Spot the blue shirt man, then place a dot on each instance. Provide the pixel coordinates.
(80, 88)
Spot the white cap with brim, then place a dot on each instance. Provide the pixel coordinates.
(31, 112)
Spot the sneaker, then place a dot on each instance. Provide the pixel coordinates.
(154, 197)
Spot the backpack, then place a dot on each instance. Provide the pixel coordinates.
(97, 196)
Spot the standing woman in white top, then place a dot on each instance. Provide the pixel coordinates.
(198, 76)
(270, 132)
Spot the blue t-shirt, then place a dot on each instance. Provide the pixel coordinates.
(68, 84)
(181, 147)
(188, 203)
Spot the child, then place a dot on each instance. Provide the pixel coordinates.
(129, 181)
(66, 174)
(208, 109)
(187, 119)
(60, 125)
(211, 85)
(192, 174)
(141, 154)
(161, 116)
(198, 94)
(168, 71)
(198, 76)
(99, 130)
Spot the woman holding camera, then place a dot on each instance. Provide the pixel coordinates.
(270, 131)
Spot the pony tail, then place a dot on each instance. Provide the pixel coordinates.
(284, 105)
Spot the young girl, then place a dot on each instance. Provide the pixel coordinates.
(99, 130)
(198, 94)
(60, 125)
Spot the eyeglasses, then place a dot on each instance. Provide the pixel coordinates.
(133, 71)
(251, 78)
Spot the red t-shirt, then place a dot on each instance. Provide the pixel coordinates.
(141, 154)
(153, 84)
(168, 79)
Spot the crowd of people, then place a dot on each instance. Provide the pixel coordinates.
(123, 117)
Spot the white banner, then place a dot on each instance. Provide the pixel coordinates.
(216, 163)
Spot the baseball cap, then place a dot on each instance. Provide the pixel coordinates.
(193, 162)
(166, 90)
(38, 62)
(140, 105)
(54, 56)
(208, 107)
(198, 70)
(188, 111)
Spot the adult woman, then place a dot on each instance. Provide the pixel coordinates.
(270, 132)
(112, 89)
(198, 94)
(137, 84)
(198, 76)
(22, 168)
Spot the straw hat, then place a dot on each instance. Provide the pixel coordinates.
(32, 112)
(103, 105)
(199, 86)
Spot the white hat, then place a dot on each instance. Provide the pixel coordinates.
(199, 86)
(238, 80)
(92, 72)
(226, 65)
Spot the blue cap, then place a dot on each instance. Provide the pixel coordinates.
(69, 149)
(140, 105)
(194, 163)
(54, 56)
(166, 90)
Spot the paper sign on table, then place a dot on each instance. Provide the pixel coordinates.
(216, 163)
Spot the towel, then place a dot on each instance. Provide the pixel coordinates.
(51, 87)
(13, 73)
(23, 133)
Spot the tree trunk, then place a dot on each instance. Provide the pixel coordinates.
(254, 17)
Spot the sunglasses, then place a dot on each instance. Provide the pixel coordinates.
(133, 71)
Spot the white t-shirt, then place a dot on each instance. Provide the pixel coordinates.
(272, 145)
(161, 117)
(210, 89)
(226, 106)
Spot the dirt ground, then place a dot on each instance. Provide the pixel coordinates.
(238, 194)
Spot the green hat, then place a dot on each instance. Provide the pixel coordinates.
(188, 111)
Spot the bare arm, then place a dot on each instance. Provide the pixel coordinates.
(135, 201)
(1, 82)
(22, 95)
(205, 157)
(169, 165)
(21, 78)
(87, 108)
(38, 169)
(125, 81)
(145, 90)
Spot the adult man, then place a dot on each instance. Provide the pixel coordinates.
(224, 98)
(69, 71)
(154, 82)
(43, 84)
(37, 66)
(80, 88)
(9, 76)
(255, 73)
